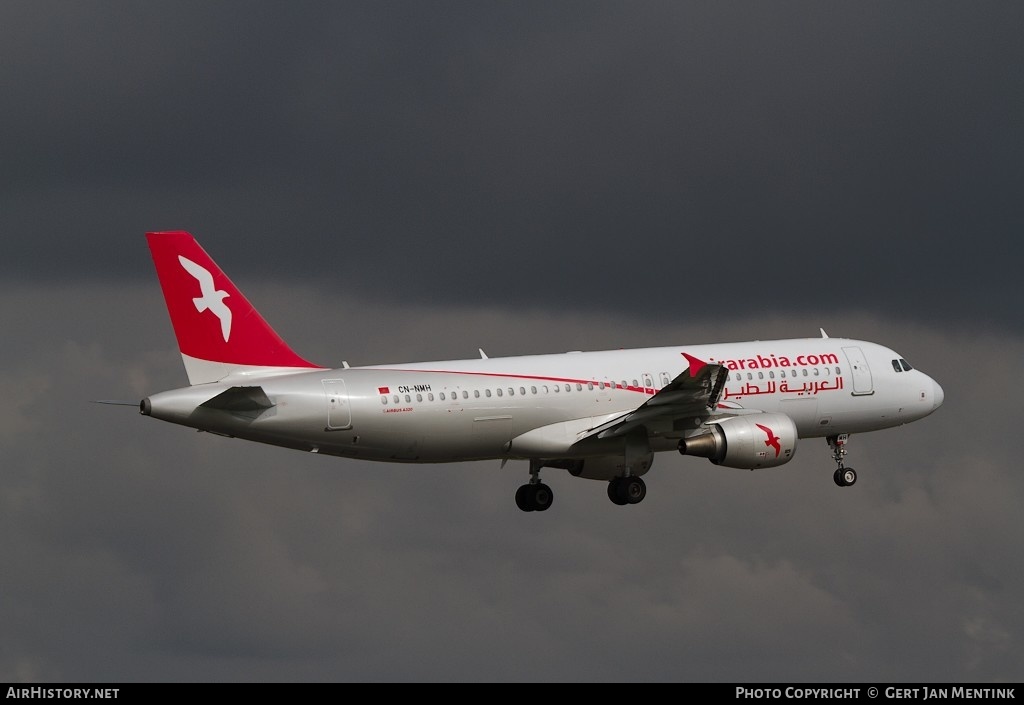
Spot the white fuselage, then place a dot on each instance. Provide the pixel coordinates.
(538, 406)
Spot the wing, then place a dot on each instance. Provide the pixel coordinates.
(694, 394)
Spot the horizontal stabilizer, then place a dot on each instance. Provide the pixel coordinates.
(240, 399)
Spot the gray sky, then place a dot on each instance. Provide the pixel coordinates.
(401, 181)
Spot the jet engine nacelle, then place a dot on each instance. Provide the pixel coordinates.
(748, 442)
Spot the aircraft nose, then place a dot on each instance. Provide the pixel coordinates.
(937, 395)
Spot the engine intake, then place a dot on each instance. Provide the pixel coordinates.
(748, 442)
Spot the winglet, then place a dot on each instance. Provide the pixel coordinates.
(218, 330)
(696, 365)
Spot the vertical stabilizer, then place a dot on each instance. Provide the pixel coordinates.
(219, 332)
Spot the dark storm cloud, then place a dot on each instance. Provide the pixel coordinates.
(823, 158)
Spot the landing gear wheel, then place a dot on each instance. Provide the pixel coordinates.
(627, 490)
(613, 492)
(523, 498)
(632, 489)
(845, 477)
(849, 476)
(534, 498)
(542, 497)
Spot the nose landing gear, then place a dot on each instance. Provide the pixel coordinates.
(843, 476)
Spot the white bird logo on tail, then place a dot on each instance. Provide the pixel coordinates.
(212, 298)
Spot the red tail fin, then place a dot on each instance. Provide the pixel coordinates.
(218, 330)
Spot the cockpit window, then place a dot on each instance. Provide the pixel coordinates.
(906, 365)
(896, 366)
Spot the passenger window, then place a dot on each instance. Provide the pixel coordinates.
(590, 386)
(760, 375)
(906, 365)
(739, 377)
(579, 387)
(396, 399)
(499, 391)
(476, 393)
(837, 370)
(419, 397)
(557, 389)
(545, 388)
(408, 399)
(430, 396)
(487, 393)
(635, 383)
(442, 396)
(792, 373)
(568, 388)
(383, 399)
(511, 392)
(805, 372)
(771, 374)
(465, 394)
(750, 376)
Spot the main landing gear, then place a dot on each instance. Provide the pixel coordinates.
(627, 490)
(843, 476)
(535, 496)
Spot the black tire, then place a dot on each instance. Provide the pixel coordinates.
(524, 498)
(613, 492)
(633, 489)
(837, 476)
(849, 477)
(541, 497)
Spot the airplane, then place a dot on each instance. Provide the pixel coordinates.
(599, 415)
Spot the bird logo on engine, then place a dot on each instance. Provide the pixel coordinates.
(773, 440)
